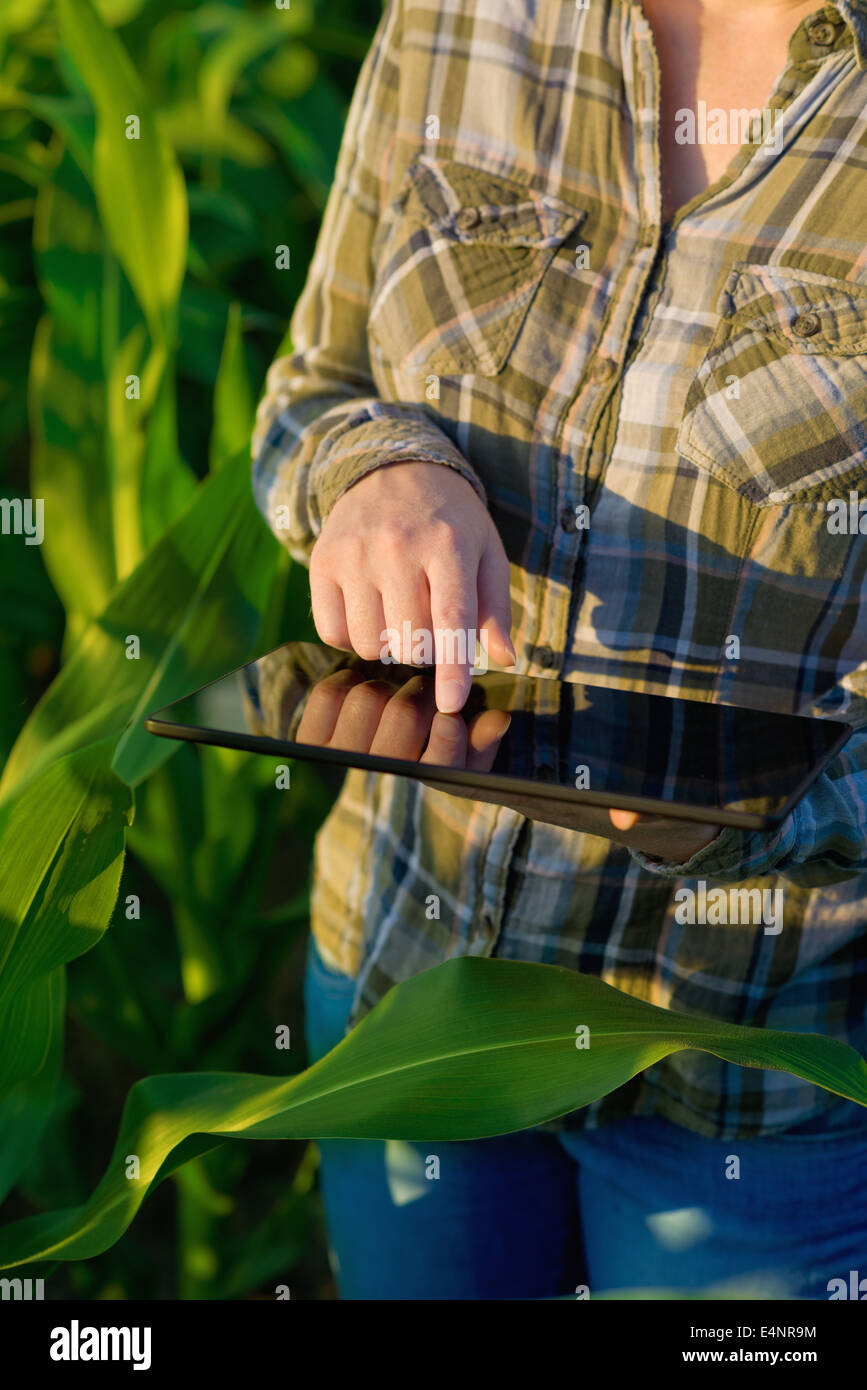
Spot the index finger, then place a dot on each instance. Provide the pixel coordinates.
(454, 614)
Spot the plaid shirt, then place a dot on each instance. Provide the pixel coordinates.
(494, 289)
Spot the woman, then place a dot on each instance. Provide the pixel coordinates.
(581, 361)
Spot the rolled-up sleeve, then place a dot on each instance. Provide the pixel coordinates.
(321, 426)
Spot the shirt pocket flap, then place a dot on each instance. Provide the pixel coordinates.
(777, 407)
(474, 207)
(810, 315)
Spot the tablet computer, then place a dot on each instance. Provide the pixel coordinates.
(516, 735)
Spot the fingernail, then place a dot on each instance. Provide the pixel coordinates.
(451, 697)
(511, 650)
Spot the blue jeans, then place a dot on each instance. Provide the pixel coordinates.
(640, 1203)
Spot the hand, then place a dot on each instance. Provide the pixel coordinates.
(412, 543)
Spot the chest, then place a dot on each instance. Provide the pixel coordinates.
(711, 83)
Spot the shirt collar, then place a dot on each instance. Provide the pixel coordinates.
(854, 15)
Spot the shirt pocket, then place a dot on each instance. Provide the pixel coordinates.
(778, 408)
(458, 259)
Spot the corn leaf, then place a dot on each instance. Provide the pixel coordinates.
(469, 1049)
(137, 179)
(32, 1030)
(62, 837)
(67, 396)
(233, 396)
(62, 840)
(194, 606)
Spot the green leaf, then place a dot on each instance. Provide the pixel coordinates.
(62, 840)
(18, 16)
(233, 396)
(230, 55)
(199, 824)
(138, 181)
(72, 119)
(26, 1107)
(192, 133)
(167, 481)
(469, 1049)
(224, 63)
(105, 455)
(307, 131)
(194, 604)
(290, 72)
(70, 468)
(61, 855)
(117, 12)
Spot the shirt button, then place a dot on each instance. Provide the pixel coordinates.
(604, 370)
(822, 34)
(545, 656)
(568, 520)
(805, 325)
(468, 218)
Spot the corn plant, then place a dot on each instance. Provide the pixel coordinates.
(153, 154)
(140, 305)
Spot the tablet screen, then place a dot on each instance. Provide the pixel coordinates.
(606, 747)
